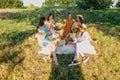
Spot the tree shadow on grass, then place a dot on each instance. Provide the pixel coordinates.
(14, 38)
(63, 72)
(109, 17)
(10, 62)
(12, 57)
(9, 55)
(110, 31)
(17, 16)
(106, 21)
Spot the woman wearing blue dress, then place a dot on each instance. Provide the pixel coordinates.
(44, 40)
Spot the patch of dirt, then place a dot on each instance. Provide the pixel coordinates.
(10, 10)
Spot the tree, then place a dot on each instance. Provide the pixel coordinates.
(59, 2)
(94, 4)
(118, 4)
(11, 4)
(67, 2)
(49, 3)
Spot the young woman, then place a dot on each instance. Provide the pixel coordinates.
(51, 25)
(68, 25)
(83, 46)
(44, 41)
(75, 26)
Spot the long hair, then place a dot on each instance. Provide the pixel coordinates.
(41, 22)
(49, 16)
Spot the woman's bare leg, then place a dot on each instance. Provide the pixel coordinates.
(53, 53)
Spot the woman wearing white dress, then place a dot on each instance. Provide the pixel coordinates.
(83, 46)
(51, 25)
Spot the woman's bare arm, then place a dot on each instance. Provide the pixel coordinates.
(73, 26)
(42, 36)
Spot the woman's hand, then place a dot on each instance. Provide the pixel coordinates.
(72, 43)
(48, 32)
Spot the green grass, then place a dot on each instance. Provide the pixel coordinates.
(18, 54)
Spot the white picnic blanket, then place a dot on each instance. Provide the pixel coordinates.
(65, 49)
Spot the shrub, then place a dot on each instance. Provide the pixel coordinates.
(11, 4)
(93, 4)
(118, 4)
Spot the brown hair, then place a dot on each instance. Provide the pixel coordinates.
(80, 18)
(41, 23)
(49, 16)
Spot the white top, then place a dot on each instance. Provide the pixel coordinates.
(54, 35)
(84, 36)
(83, 43)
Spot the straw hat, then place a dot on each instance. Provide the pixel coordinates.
(80, 17)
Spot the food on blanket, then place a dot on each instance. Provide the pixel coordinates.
(61, 42)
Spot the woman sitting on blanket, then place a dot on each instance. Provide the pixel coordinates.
(51, 25)
(68, 25)
(75, 26)
(72, 36)
(83, 46)
(48, 47)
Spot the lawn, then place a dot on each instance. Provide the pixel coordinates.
(19, 59)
